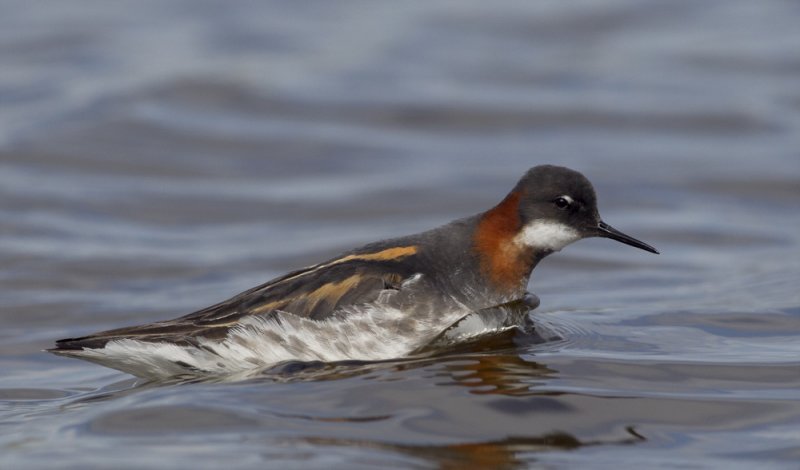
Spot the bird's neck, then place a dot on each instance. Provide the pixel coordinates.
(504, 262)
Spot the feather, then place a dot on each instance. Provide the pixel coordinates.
(317, 293)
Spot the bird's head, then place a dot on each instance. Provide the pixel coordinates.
(558, 206)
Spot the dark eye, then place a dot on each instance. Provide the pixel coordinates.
(562, 203)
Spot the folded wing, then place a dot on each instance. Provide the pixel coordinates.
(318, 292)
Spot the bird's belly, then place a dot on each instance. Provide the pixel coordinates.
(368, 332)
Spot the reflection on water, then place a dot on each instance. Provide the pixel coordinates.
(509, 453)
(503, 374)
(158, 157)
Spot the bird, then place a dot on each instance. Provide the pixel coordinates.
(381, 301)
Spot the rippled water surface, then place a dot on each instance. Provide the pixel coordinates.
(160, 156)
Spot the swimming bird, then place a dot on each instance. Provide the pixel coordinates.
(384, 300)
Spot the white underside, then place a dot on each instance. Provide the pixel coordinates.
(365, 334)
(548, 235)
(369, 333)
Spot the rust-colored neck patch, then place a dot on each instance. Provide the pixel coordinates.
(504, 262)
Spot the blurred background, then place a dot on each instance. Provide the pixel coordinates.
(160, 156)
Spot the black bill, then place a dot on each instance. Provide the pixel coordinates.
(607, 231)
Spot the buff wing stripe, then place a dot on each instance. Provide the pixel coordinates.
(389, 254)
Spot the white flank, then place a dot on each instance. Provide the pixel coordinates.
(370, 332)
(367, 333)
(547, 235)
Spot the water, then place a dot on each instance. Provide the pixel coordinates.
(157, 157)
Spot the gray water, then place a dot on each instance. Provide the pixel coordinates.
(160, 156)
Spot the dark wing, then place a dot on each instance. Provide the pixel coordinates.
(316, 292)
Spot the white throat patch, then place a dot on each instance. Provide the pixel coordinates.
(547, 235)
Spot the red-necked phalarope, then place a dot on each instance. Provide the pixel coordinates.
(381, 301)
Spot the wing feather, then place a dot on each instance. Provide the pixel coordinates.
(317, 292)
